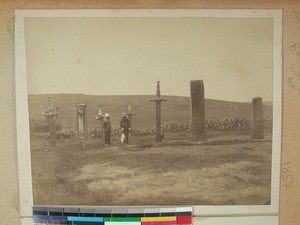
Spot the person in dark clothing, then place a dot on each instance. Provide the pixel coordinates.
(125, 127)
(107, 129)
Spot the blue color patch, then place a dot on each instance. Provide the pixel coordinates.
(44, 217)
(85, 219)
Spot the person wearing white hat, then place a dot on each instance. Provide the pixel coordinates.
(125, 127)
(107, 129)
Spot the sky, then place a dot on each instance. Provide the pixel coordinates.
(126, 56)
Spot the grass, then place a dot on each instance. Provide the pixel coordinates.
(143, 173)
(225, 169)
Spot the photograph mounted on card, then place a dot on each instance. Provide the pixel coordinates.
(149, 108)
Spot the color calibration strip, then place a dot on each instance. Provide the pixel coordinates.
(115, 216)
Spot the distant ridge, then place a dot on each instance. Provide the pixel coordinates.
(177, 108)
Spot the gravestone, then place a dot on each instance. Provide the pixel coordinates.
(130, 114)
(158, 101)
(198, 110)
(50, 114)
(82, 120)
(258, 118)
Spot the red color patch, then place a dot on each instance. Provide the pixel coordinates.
(184, 220)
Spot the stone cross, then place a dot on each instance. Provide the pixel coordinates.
(158, 101)
(258, 118)
(49, 115)
(198, 110)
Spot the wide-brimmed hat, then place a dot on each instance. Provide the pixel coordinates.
(106, 115)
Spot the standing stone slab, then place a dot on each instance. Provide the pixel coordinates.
(130, 115)
(82, 120)
(198, 110)
(52, 130)
(258, 118)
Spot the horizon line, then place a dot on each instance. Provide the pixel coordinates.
(269, 101)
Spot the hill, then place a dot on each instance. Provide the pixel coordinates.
(176, 108)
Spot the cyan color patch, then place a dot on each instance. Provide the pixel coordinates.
(85, 219)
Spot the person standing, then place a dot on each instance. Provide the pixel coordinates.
(107, 129)
(125, 127)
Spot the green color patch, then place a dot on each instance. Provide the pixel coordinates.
(122, 219)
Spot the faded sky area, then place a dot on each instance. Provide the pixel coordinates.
(126, 56)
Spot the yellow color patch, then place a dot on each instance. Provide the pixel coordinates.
(155, 219)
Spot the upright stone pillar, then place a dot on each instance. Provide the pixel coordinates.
(198, 110)
(158, 101)
(49, 115)
(52, 130)
(130, 115)
(82, 120)
(258, 118)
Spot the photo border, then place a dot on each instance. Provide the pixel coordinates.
(22, 115)
(238, 220)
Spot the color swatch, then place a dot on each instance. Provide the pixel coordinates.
(114, 216)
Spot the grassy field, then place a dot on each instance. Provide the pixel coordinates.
(227, 169)
(224, 170)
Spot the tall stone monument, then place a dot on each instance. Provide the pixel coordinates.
(82, 120)
(198, 110)
(258, 118)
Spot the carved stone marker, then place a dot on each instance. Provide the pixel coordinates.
(198, 110)
(258, 118)
(82, 120)
(130, 115)
(49, 115)
(158, 101)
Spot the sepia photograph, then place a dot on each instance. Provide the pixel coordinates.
(151, 110)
